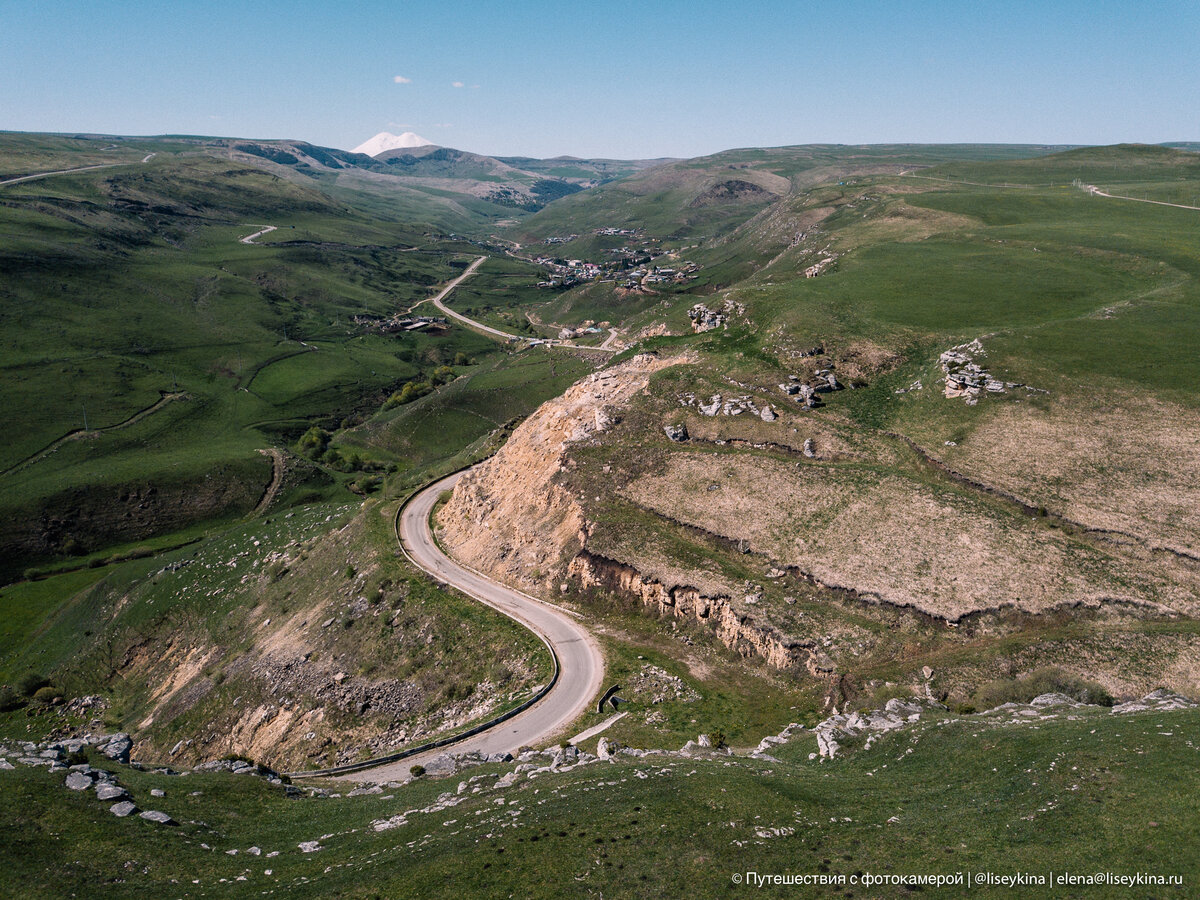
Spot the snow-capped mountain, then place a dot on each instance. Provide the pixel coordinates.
(385, 141)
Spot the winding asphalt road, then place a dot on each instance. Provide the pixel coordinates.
(581, 664)
(487, 329)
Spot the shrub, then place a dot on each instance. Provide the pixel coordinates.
(10, 699)
(1045, 680)
(416, 771)
(45, 695)
(314, 442)
(411, 391)
(718, 739)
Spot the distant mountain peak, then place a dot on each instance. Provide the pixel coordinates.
(385, 141)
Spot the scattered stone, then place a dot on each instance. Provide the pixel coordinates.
(1161, 700)
(123, 809)
(118, 747)
(154, 815)
(157, 792)
(896, 714)
(111, 792)
(704, 740)
(445, 764)
(77, 781)
(810, 448)
(767, 414)
(676, 433)
(604, 750)
(310, 846)
(705, 319)
(927, 672)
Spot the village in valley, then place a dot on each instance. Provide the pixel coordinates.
(631, 266)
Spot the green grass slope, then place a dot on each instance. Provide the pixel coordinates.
(146, 348)
(1075, 796)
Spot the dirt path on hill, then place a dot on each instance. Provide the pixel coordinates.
(80, 432)
(278, 468)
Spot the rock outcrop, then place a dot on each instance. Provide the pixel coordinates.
(736, 630)
(510, 517)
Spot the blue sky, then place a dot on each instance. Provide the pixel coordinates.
(615, 79)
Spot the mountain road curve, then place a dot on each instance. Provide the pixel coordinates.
(487, 329)
(580, 661)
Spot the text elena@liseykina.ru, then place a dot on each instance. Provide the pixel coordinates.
(961, 879)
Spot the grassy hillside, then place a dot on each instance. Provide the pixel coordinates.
(1045, 516)
(1079, 794)
(301, 640)
(146, 347)
(702, 198)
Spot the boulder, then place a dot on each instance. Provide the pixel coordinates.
(107, 791)
(154, 815)
(441, 765)
(78, 781)
(1054, 699)
(676, 433)
(123, 809)
(118, 747)
(704, 740)
(604, 750)
(500, 758)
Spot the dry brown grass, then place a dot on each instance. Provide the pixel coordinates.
(1120, 463)
(908, 542)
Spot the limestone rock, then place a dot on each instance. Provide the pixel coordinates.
(118, 747)
(676, 433)
(441, 765)
(77, 781)
(111, 792)
(154, 815)
(123, 809)
(1160, 700)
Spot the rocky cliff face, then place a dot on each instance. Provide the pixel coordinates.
(509, 517)
(735, 629)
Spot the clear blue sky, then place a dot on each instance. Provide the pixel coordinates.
(647, 79)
